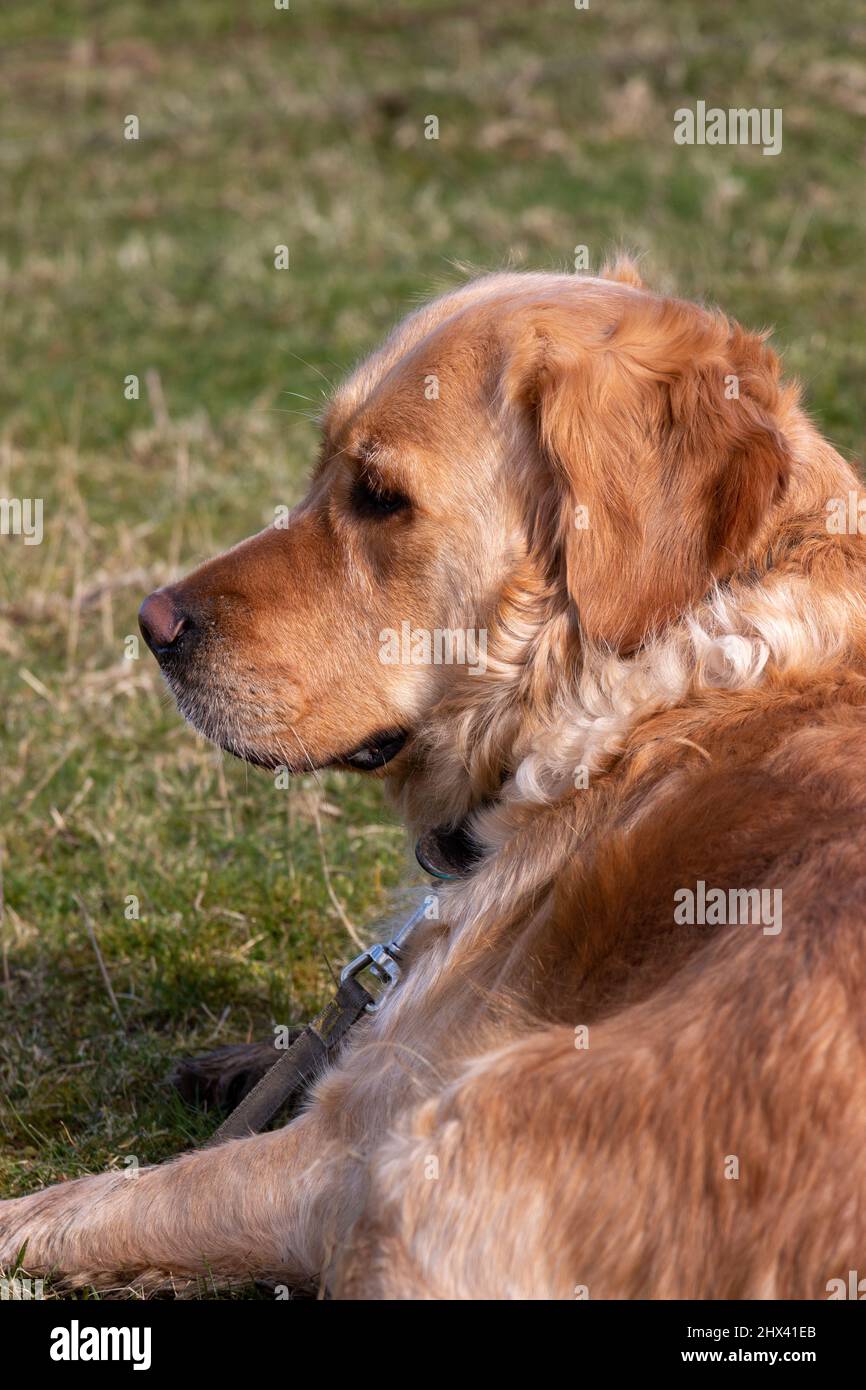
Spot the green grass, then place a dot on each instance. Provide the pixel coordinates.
(155, 257)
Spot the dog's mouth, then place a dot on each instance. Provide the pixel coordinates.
(270, 745)
(375, 752)
(370, 756)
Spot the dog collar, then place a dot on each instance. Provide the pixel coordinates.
(448, 852)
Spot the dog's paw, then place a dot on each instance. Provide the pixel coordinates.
(10, 1244)
(46, 1225)
(22, 1220)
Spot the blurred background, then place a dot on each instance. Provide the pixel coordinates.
(154, 258)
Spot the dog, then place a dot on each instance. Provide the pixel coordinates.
(628, 1058)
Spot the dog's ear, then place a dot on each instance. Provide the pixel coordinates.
(657, 422)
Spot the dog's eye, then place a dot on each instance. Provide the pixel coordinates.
(372, 501)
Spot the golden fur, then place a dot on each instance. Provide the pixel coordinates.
(617, 488)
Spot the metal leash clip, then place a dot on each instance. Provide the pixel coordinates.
(381, 965)
(383, 962)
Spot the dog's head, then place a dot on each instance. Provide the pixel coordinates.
(528, 464)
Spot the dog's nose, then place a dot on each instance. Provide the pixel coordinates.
(162, 622)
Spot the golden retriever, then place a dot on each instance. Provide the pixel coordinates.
(629, 1057)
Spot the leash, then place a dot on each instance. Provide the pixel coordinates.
(314, 1049)
(445, 853)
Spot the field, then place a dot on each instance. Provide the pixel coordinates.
(154, 258)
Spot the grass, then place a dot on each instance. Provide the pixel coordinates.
(155, 258)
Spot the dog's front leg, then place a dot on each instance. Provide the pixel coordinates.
(251, 1206)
